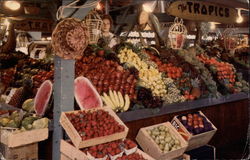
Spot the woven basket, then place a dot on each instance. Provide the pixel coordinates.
(230, 39)
(70, 38)
(177, 34)
(3, 29)
(94, 23)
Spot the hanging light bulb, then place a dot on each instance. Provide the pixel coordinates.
(212, 26)
(99, 7)
(239, 18)
(13, 5)
(149, 6)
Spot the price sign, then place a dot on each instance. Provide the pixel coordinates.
(34, 25)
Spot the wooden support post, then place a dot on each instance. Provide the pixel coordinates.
(198, 34)
(64, 83)
(63, 97)
(106, 7)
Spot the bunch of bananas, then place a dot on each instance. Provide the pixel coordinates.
(116, 101)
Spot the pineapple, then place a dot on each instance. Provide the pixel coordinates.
(21, 94)
(196, 92)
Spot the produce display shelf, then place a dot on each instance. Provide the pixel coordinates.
(167, 109)
(177, 107)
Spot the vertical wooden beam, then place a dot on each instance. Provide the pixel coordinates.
(198, 34)
(64, 84)
(63, 97)
(106, 7)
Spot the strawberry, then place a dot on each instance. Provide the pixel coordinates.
(118, 150)
(113, 145)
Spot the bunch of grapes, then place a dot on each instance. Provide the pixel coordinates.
(148, 100)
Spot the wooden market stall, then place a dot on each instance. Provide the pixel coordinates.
(229, 113)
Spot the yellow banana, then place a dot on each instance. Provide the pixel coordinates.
(113, 99)
(108, 101)
(121, 99)
(127, 103)
(116, 99)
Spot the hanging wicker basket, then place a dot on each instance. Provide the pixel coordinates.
(94, 23)
(3, 29)
(70, 38)
(177, 34)
(230, 39)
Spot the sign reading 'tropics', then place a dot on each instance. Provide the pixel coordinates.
(202, 11)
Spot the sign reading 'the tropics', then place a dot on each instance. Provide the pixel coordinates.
(202, 11)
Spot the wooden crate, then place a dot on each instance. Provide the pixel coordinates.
(12, 139)
(64, 157)
(150, 147)
(194, 141)
(27, 152)
(72, 153)
(76, 138)
(185, 157)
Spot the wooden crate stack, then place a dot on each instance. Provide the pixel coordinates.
(70, 151)
(21, 145)
(188, 140)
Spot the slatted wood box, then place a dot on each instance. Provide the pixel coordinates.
(13, 139)
(150, 147)
(64, 157)
(76, 138)
(194, 141)
(27, 152)
(69, 152)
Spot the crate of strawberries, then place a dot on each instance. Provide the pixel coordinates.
(195, 128)
(161, 141)
(115, 150)
(93, 126)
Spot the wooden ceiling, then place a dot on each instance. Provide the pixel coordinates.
(31, 9)
(46, 9)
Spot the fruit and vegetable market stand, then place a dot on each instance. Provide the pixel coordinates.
(228, 113)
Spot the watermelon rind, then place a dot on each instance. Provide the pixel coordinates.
(38, 98)
(77, 96)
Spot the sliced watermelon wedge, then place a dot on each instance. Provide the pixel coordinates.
(85, 94)
(42, 97)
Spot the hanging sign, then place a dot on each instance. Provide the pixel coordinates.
(202, 11)
(34, 25)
